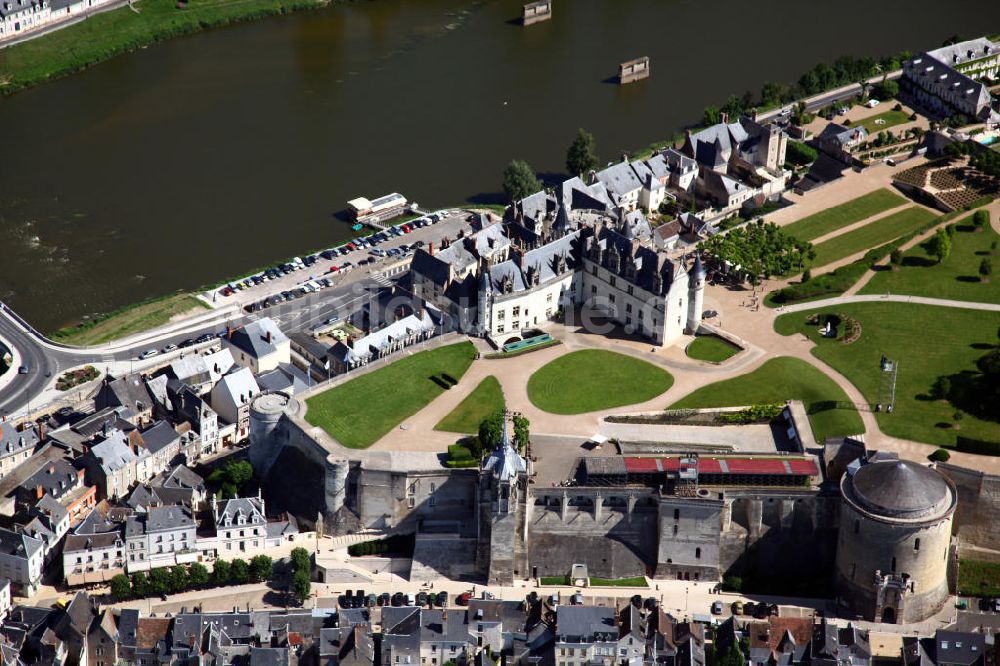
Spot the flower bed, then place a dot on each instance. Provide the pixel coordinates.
(75, 378)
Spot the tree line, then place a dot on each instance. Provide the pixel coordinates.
(180, 578)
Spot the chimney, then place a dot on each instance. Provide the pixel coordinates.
(624, 157)
(724, 118)
(39, 492)
(268, 337)
(430, 248)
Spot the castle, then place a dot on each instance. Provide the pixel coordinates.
(882, 525)
(505, 280)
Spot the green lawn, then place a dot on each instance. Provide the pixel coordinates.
(977, 578)
(359, 412)
(129, 320)
(957, 277)
(711, 348)
(105, 35)
(852, 211)
(485, 399)
(871, 235)
(779, 379)
(891, 118)
(592, 379)
(928, 342)
(634, 581)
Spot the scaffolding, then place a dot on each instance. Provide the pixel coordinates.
(888, 369)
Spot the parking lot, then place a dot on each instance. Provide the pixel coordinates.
(340, 264)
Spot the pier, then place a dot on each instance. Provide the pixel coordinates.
(633, 70)
(536, 12)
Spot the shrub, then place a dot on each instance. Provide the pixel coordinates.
(940, 455)
(896, 257)
(807, 275)
(732, 583)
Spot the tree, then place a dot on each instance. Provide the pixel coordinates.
(942, 388)
(301, 586)
(807, 275)
(582, 154)
(522, 433)
(140, 585)
(979, 219)
(519, 180)
(220, 573)
(121, 587)
(159, 581)
(198, 575)
(896, 257)
(800, 154)
(491, 431)
(985, 269)
(260, 568)
(939, 245)
(301, 561)
(239, 571)
(711, 116)
(940, 455)
(951, 230)
(761, 249)
(178, 578)
(887, 90)
(230, 480)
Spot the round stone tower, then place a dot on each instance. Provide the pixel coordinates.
(696, 296)
(266, 411)
(892, 550)
(336, 482)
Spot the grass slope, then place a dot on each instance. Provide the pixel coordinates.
(852, 211)
(359, 412)
(129, 321)
(871, 235)
(593, 379)
(928, 342)
(779, 379)
(977, 578)
(957, 277)
(106, 35)
(484, 400)
(711, 348)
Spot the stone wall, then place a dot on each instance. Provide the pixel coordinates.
(978, 511)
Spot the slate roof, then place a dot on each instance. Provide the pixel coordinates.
(18, 545)
(128, 391)
(183, 477)
(56, 478)
(159, 436)
(252, 339)
(240, 386)
(13, 441)
(620, 179)
(159, 519)
(900, 488)
(114, 452)
(286, 377)
(505, 462)
(957, 54)
(251, 508)
(584, 624)
(842, 135)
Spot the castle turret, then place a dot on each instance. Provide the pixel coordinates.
(561, 226)
(503, 491)
(485, 302)
(696, 295)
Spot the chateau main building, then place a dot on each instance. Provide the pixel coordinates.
(505, 279)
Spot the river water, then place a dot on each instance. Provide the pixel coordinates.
(206, 156)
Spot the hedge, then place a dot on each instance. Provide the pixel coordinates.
(979, 446)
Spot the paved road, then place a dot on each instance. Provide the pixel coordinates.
(829, 97)
(45, 359)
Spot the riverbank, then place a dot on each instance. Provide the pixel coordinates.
(103, 36)
(129, 320)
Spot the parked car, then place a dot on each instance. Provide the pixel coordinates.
(717, 607)
(463, 599)
(872, 103)
(384, 599)
(737, 608)
(149, 353)
(442, 599)
(23, 370)
(422, 599)
(204, 337)
(186, 343)
(169, 348)
(410, 599)
(398, 599)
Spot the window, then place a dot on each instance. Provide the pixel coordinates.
(611, 280)
(675, 530)
(857, 526)
(916, 544)
(548, 298)
(515, 311)
(629, 290)
(893, 569)
(593, 288)
(611, 298)
(500, 315)
(500, 328)
(677, 514)
(593, 270)
(697, 553)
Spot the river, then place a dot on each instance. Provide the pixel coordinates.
(206, 156)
